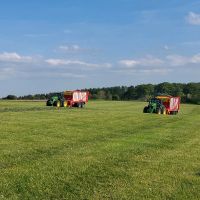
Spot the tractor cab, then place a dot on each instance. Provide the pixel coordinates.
(155, 101)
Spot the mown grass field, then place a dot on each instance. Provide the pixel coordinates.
(109, 150)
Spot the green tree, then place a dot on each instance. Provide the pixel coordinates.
(11, 97)
(101, 94)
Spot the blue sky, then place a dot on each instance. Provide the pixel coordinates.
(54, 45)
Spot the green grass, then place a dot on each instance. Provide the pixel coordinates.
(109, 150)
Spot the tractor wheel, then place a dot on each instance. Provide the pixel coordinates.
(82, 105)
(158, 111)
(47, 103)
(145, 109)
(58, 104)
(164, 112)
(175, 112)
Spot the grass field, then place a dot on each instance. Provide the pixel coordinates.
(109, 150)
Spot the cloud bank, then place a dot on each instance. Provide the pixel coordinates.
(13, 64)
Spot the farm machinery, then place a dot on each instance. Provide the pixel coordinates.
(163, 105)
(74, 98)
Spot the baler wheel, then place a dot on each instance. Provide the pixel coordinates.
(79, 105)
(82, 105)
(175, 112)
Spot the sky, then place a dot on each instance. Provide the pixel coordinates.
(56, 45)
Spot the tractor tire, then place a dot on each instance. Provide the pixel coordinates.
(82, 105)
(158, 111)
(47, 103)
(175, 112)
(79, 105)
(145, 109)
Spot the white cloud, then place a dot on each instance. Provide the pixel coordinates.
(146, 61)
(129, 63)
(178, 60)
(60, 62)
(195, 59)
(56, 62)
(72, 48)
(193, 18)
(64, 48)
(155, 70)
(16, 65)
(149, 61)
(166, 47)
(14, 57)
(75, 48)
(63, 75)
(150, 64)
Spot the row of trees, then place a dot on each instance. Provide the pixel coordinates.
(189, 93)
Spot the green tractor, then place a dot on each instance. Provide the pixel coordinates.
(155, 106)
(56, 100)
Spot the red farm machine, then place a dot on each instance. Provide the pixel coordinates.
(75, 98)
(163, 105)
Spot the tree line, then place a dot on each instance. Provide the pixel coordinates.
(189, 92)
